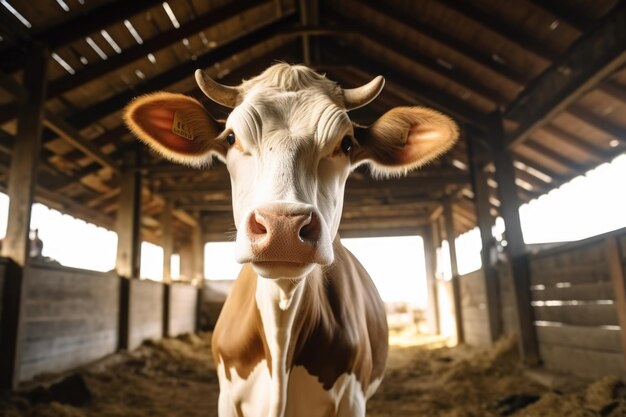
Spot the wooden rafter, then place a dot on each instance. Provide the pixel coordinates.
(593, 57)
(465, 48)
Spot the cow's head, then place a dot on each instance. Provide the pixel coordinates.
(289, 146)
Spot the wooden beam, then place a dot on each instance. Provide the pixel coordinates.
(430, 95)
(159, 41)
(8, 84)
(513, 33)
(73, 136)
(614, 89)
(430, 258)
(598, 122)
(461, 78)
(443, 37)
(264, 33)
(477, 160)
(515, 247)
(167, 240)
(25, 158)
(592, 58)
(81, 25)
(618, 278)
(564, 12)
(128, 221)
(197, 243)
(448, 217)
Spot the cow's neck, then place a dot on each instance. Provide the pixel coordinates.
(278, 301)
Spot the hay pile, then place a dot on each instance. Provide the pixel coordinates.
(176, 378)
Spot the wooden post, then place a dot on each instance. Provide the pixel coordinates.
(515, 248)
(456, 285)
(129, 219)
(485, 224)
(25, 158)
(167, 240)
(618, 277)
(430, 257)
(197, 256)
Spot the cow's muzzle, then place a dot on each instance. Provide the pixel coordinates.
(286, 240)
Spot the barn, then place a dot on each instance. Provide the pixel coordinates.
(537, 88)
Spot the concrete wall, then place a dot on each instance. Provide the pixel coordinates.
(69, 318)
(183, 302)
(145, 311)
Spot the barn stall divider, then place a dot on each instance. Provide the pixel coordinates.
(55, 318)
(578, 301)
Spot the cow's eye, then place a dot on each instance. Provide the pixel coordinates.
(346, 144)
(230, 138)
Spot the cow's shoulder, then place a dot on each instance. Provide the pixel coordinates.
(342, 328)
(238, 339)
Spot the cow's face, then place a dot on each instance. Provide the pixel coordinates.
(289, 147)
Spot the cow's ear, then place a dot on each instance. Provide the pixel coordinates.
(176, 126)
(404, 138)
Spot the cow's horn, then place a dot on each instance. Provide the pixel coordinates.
(219, 93)
(354, 98)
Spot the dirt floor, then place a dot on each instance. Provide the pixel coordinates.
(175, 377)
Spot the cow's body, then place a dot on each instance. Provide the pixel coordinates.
(303, 332)
(337, 348)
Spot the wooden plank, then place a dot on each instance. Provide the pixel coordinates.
(430, 259)
(579, 315)
(461, 46)
(114, 103)
(73, 136)
(197, 243)
(593, 57)
(128, 223)
(618, 278)
(582, 337)
(515, 248)
(479, 157)
(575, 274)
(456, 287)
(582, 292)
(167, 239)
(25, 158)
(78, 27)
(582, 362)
(151, 45)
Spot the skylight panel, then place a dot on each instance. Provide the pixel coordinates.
(63, 5)
(96, 48)
(111, 41)
(171, 15)
(15, 13)
(151, 58)
(133, 31)
(67, 67)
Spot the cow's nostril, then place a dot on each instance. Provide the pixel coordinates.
(256, 225)
(310, 231)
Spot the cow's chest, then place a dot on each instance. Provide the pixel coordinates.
(306, 395)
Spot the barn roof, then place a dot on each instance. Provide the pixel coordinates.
(552, 70)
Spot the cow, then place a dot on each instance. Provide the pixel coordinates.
(303, 331)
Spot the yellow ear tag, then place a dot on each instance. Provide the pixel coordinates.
(179, 127)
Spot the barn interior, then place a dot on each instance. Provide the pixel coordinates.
(538, 89)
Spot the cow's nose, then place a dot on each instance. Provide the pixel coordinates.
(281, 236)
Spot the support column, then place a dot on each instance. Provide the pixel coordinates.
(167, 240)
(515, 248)
(197, 256)
(25, 158)
(477, 157)
(430, 257)
(456, 285)
(129, 219)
